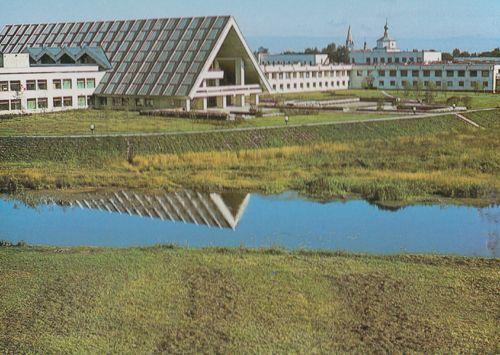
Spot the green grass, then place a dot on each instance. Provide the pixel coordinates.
(478, 100)
(172, 300)
(410, 161)
(115, 122)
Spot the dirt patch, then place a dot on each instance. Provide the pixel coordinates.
(383, 317)
(213, 306)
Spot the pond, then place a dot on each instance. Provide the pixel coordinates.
(193, 219)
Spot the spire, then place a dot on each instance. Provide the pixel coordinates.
(386, 28)
(349, 43)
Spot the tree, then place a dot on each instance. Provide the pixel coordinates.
(430, 94)
(447, 57)
(406, 89)
(314, 50)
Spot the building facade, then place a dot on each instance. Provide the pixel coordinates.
(387, 52)
(183, 63)
(440, 76)
(289, 73)
(50, 80)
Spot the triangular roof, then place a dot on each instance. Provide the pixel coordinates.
(149, 57)
(75, 53)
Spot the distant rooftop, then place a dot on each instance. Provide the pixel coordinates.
(304, 59)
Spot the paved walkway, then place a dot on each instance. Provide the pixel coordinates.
(225, 130)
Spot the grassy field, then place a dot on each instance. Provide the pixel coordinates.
(232, 301)
(412, 160)
(115, 122)
(478, 100)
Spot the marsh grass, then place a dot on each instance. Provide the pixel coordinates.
(405, 161)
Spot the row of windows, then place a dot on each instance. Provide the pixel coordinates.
(57, 84)
(307, 75)
(438, 84)
(428, 73)
(42, 103)
(125, 101)
(390, 60)
(326, 84)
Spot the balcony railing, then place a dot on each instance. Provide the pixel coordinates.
(229, 90)
(214, 75)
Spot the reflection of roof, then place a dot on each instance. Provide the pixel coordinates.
(75, 53)
(157, 57)
(210, 209)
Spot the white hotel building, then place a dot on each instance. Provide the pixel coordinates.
(387, 67)
(288, 73)
(49, 79)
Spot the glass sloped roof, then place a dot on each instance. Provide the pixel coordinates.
(154, 57)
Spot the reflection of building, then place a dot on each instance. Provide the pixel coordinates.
(303, 72)
(180, 63)
(223, 210)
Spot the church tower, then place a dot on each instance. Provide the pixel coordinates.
(349, 43)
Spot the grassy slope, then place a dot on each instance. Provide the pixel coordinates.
(109, 122)
(479, 100)
(173, 300)
(405, 161)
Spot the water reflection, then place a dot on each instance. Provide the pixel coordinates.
(135, 218)
(221, 210)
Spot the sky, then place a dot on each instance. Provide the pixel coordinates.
(294, 24)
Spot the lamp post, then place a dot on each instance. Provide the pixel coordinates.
(92, 128)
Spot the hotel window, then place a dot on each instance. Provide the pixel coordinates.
(67, 84)
(414, 73)
(301, 85)
(314, 74)
(43, 103)
(149, 102)
(281, 87)
(125, 101)
(404, 73)
(393, 83)
(295, 86)
(368, 61)
(359, 73)
(82, 101)
(281, 75)
(103, 101)
(427, 73)
(68, 101)
(375, 60)
(320, 74)
(396, 59)
(404, 83)
(314, 85)
(393, 73)
(15, 86)
(140, 102)
(426, 83)
(450, 73)
(343, 83)
(4, 86)
(80, 83)
(90, 83)
(326, 84)
(56, 84)
(31, 104)
(274, 87)
(288, 86)
(461, 73)
(461, 84)
(15, 105)
(449, 84)
(389, 60)
(485, 84)
(438, 73)
(57, 102)
(486, 73)
(308, 85)
(382, 60)
(438, 84)
(473, 73)
(31, 85)
(415, 83)
(42, 84)
(4, 105)
(381, 73)
(381, 83)
(404, 59)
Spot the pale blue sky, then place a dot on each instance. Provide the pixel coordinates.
(465, 22)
